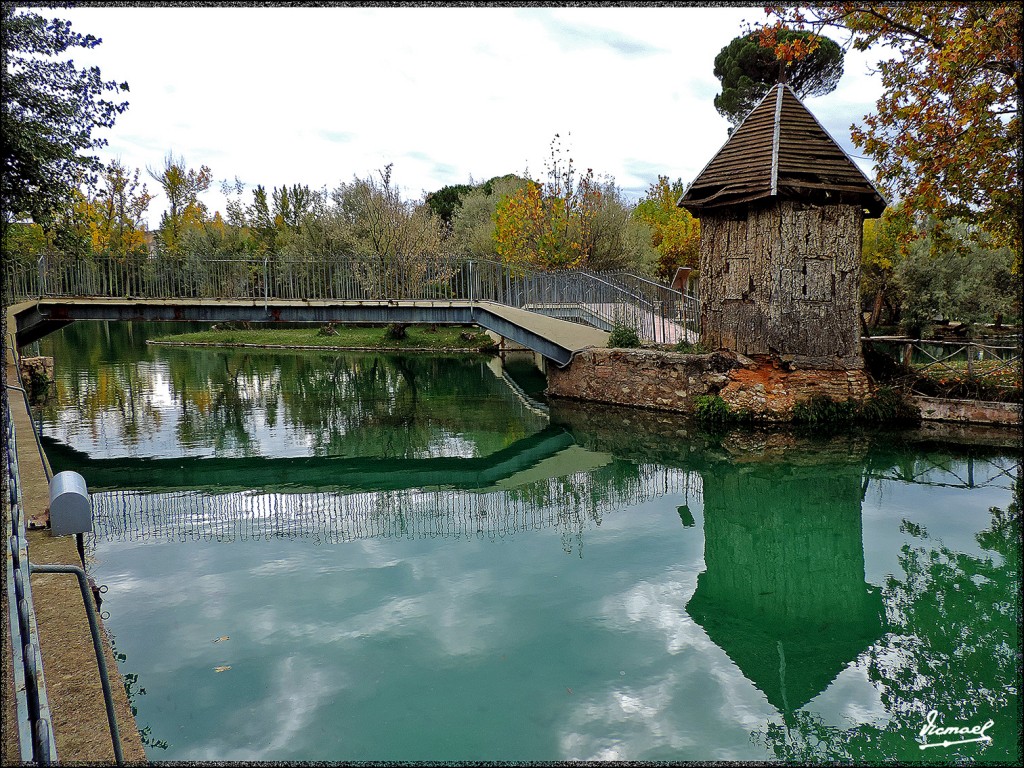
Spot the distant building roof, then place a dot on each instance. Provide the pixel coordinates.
(781, 151)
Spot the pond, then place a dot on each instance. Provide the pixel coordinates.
(342, 556)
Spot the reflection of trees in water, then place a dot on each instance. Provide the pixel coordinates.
(94, 397)
(366, 404)
(952, 645)
(348, 404)
(217, 397)
(133, 691)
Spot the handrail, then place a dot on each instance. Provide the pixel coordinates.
(97, 644)
(28, 407)
(974, 351)
(35, 734)
(938, 342)
(646, 281)
(348, 278)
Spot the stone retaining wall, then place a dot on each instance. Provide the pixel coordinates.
(765, 386)
(671, 381)
(968, 411)
(770, 391)
(642, 378)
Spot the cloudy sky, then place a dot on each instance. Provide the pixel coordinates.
(274, 95)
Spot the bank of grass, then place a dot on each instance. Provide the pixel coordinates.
(413, 337)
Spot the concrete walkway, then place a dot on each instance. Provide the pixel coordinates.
(79, 717)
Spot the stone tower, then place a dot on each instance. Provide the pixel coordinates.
(781, 208)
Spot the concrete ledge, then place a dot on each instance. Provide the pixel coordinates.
(968, 411)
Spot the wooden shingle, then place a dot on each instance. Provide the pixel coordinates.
(780, 151)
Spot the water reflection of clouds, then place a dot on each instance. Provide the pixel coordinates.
(279, 717)
(644, 715)
(445, 604)
(852, 699)
(642, 721)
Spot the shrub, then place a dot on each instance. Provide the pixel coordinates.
(695, 348)
(885, 406)
(888, 406)
(623, 336)
(713, 411)
(822, 409)
(395, 331)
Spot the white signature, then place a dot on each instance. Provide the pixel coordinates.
(977, 732)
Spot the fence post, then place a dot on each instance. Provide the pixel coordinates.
(42, 275)
(266, 287)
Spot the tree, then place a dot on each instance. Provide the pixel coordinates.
(292, 204)
(398, 245)
(182, 186)
(50, 110)
(446, 201)
(963, 277)
(262, 224)
(549, 226)
(946, 134)
(472, 227)
(117, 210)
(675, 234)
(885, 243)
(618, 239)
(748, 70)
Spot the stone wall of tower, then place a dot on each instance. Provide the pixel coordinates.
(783, 280)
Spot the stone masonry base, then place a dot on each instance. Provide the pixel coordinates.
(672, 381)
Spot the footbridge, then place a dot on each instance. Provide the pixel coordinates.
(313, 473)
(556, 314)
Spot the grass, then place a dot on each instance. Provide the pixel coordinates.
(986, 381)
(417, 337)
(713, 413)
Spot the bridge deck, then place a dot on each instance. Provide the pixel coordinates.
(556, 339)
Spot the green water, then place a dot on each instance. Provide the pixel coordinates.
(368, 557)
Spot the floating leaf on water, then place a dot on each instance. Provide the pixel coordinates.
(222, 669)
(222, 637)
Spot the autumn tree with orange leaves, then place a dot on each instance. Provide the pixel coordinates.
(549, 226)
(675, 234)
(946, 133)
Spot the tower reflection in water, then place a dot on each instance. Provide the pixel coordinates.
(784, 591)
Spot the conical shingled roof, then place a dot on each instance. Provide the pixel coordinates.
(781, 151)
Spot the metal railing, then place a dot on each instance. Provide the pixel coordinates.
(973, 358)
(337, 516)
(684, 308)
(35, 731)
(656, 312)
